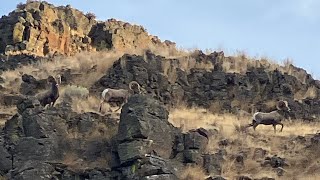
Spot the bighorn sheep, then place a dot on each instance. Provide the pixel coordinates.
(122, 94)
(272, 118)
(51, 95)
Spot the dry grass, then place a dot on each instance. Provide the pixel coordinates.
(91, 104)
(80, 63)
(193, 173)
(247, 140)
(310, 93)
(6, 112)
(77, 164)
(72, 91)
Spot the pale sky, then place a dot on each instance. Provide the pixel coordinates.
(277, 29)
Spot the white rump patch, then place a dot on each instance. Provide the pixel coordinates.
(254, 115)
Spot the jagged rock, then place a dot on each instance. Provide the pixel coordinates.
(212, 163)
(30, 86)
(144, 118)
(315, 140)
(35, 150)
(275, 161)
(192, 156)
(149, 167)
(131, 151)
(144, 129)
(10, 99)
(196, 139)
(36, 137)
(10, 62)
(217, 90)
(27, 103)
(31, 170)
(5, 158)
(68, 31)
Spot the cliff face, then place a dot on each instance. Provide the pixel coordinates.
(41, 29)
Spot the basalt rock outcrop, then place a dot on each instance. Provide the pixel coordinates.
(38, 143)
(41, 29)
(57, 143)
(256, 90)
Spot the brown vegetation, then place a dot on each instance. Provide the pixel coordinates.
(246, 140)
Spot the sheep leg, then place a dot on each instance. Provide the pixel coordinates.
(274, 127)
(100, 107)
(120, 106)
(255, 126)
(281, 126)
(53, 102)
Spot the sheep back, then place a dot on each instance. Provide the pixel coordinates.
(260, 116)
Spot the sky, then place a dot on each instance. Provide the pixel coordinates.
(277, 29)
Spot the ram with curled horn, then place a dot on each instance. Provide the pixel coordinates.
(123, 94)
(273, 118)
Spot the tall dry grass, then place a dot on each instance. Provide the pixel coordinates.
(193, 173)
(229, 127)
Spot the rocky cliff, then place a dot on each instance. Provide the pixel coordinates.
(41, 29)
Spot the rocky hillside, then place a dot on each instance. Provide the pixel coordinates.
(257, 90)
(185, 124)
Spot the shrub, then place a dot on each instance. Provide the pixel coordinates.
(21, 6)
(72, 91)
(90, 15)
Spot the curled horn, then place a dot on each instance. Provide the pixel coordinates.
(136, 83)
(58, 78)
(286, 104)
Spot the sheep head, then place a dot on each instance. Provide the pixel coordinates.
(283, 105)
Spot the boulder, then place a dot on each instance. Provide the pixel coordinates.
(143, 118)
(212, 163)
(275, 162)
(131, 151)
(5, 158)
(30, 86)
(192, 156)
(196, 139)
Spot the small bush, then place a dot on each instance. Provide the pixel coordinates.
(90, 15)
(21, 6)
(73, 91)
